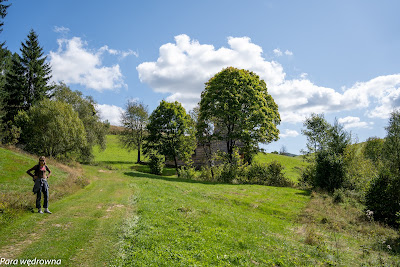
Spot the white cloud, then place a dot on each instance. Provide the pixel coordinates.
(289, 133)
(277, 52)
(288, 53)
(61, 29)
(183, 67)
(74, 63)
(353, 122)
(111, 113)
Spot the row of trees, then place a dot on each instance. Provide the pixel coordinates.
(371, 169)
(44, 118)
(235, 108)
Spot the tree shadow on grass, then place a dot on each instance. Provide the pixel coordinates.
(164, 178)
(111, 162)
(303, 192)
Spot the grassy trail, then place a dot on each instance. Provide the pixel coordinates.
(83, 229)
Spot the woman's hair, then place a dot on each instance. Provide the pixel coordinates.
(42, 158)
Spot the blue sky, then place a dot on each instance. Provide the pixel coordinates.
(336, 57)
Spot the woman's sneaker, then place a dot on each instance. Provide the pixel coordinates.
(47, 211)
(40, 211)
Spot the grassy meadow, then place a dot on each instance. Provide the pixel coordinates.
(129, 218)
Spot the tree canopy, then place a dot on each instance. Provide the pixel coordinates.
(27, 80)
(235, 107)
(134, 119)
(95, 130)
(171, 132)
(52, 128)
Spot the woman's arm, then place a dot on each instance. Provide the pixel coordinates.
(29, 171)
(47, 168)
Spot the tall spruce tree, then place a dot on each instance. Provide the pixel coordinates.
(13, 95)
(4, 54)
(37, 72)
(27, 80)
(3, 12)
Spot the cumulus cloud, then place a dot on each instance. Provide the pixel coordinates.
(353, 122)
(289, 133)
(183, 67)
(110, 113)
(74, 63)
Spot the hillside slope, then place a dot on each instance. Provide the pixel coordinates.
(127, 218)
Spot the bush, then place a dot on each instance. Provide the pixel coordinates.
(308, 175)
(271, 174)
(329, 171)
(156, 163)
(187, 172)
(383, 197)
(276, 176)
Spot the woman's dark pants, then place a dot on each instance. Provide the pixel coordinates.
(43, 186)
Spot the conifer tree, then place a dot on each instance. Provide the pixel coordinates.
(13, 94)
(37, 72)
(3, 12)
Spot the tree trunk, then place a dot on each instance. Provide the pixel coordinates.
(138, 155)
(176, 166)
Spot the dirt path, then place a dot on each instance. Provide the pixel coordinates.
(83, 230)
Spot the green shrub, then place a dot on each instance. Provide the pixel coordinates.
(308, 175)
(360, 170)
(156, 163)
(329, 171)
(276, 176)
(383, 197)
(187, 172)
(271, 174)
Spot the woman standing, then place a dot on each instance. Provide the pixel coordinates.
(40, 178)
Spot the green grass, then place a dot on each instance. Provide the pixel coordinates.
(83, 229)
(13, 176)
(185, 223)
(129, 218)
(293, 165)
(116, 157)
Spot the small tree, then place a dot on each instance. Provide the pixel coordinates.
(383, 198)
(134, 119)
(171, 132)
(316, 131)
(373, 149)
(328, 144)
(391, 148)
(235, 107)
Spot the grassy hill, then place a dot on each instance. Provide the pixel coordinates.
(128, 218)
(293, 165)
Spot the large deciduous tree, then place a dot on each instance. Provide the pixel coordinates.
(171, 132)
(52, 128)
(236, 107)
(95, 129)
(134, 119)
